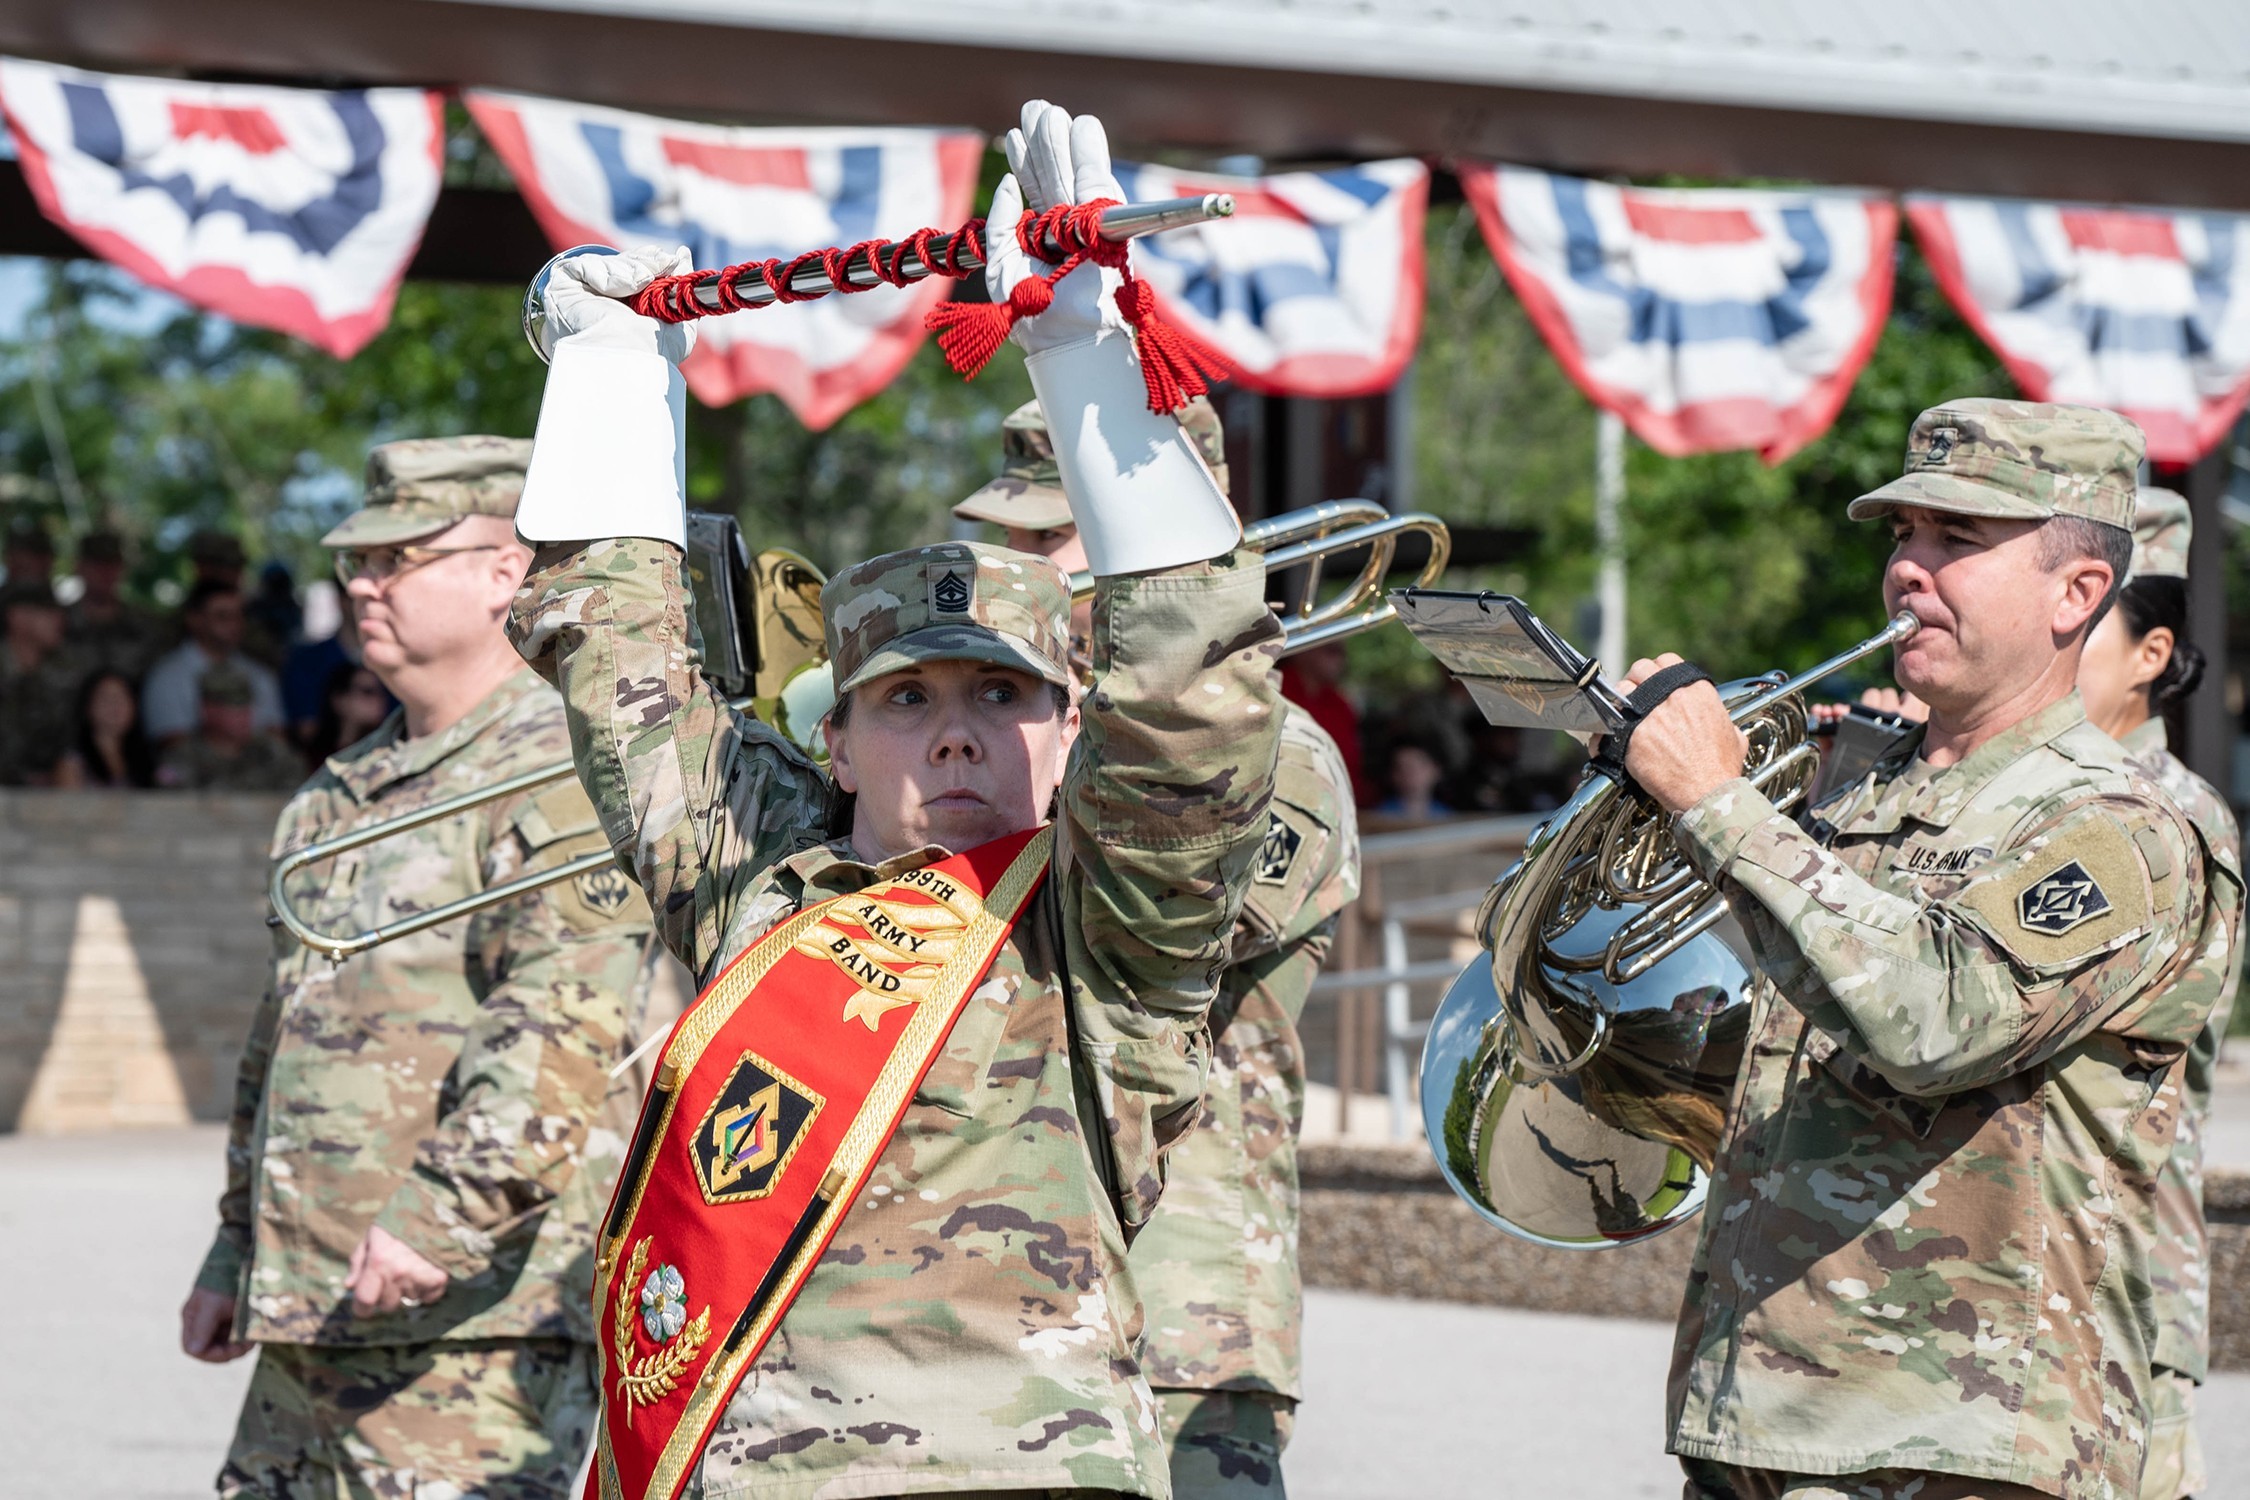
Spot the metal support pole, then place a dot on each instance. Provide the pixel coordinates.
(1609, 537)
(1399, 418)
(1397, 1011)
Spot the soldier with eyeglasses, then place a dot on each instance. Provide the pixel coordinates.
(424, 1134)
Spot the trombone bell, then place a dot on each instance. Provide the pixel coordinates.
(1311, 537)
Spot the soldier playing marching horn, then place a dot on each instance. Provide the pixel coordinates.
(871, 1235)
(1924, 1265)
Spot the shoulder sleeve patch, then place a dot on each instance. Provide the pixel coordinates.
(596, 898)
(606, 893)
(1277, 856)
(2079, 895)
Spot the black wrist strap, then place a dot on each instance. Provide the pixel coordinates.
(1643, 701)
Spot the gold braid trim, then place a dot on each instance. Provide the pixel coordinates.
(647, 1381)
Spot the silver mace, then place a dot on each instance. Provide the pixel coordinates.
(1126, 221)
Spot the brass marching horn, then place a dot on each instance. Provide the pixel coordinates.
(764, 649)
(1575, 1080)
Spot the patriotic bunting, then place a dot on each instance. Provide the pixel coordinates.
(1313, 288)
(603, 176)
(292, 209)
(1707, 319)
(2144, 312)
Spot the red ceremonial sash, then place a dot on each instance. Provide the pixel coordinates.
(777, 1092)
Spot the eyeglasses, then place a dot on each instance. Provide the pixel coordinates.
(380, 564)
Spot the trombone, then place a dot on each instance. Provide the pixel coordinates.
(785, 605)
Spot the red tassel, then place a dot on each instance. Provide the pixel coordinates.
(969, 333)
(1173, 364)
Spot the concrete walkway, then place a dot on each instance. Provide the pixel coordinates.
(100, 1236)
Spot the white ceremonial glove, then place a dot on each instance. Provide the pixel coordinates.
(582, 298)
(1139, 492)
(1053, 160)
(609, 457)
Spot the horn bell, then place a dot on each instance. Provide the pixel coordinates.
(1575, 1083)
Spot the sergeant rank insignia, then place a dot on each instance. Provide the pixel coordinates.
(751, 1131)
(2061, 901)
(1278, 851)
(949, 590)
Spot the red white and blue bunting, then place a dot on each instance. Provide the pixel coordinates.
(603, 176)
(292, 209)
(1313, 288)
(2142, 311)
(1707, 319)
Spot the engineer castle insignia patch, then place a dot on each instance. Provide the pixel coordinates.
(751, 1131)
(2061, 901)
(1277, 852)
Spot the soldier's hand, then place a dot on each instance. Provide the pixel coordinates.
(206, 1318)
(387, 1274)
(582, 296)
(1686, 749)
(1053, 159)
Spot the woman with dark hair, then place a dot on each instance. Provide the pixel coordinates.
(353, 704)
(110, 750)
(2138, 668)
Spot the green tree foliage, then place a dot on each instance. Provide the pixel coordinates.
(169, 420)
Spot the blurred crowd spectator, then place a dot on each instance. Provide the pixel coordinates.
(1426, 757)
(239, 689)
(252, 682)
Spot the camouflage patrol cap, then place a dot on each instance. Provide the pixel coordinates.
(1200, 419)
(2020, 460)
(226, 685)
(423, 485)
(2160, 535)
(1028, 495)
(954, 601)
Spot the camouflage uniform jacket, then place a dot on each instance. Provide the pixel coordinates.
(129, 641)
(263, 764)
(1926, 1244)
(2182, 1276)
(1217, 1267)
(38, 709)
(451, 1086)
(973, 1325)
